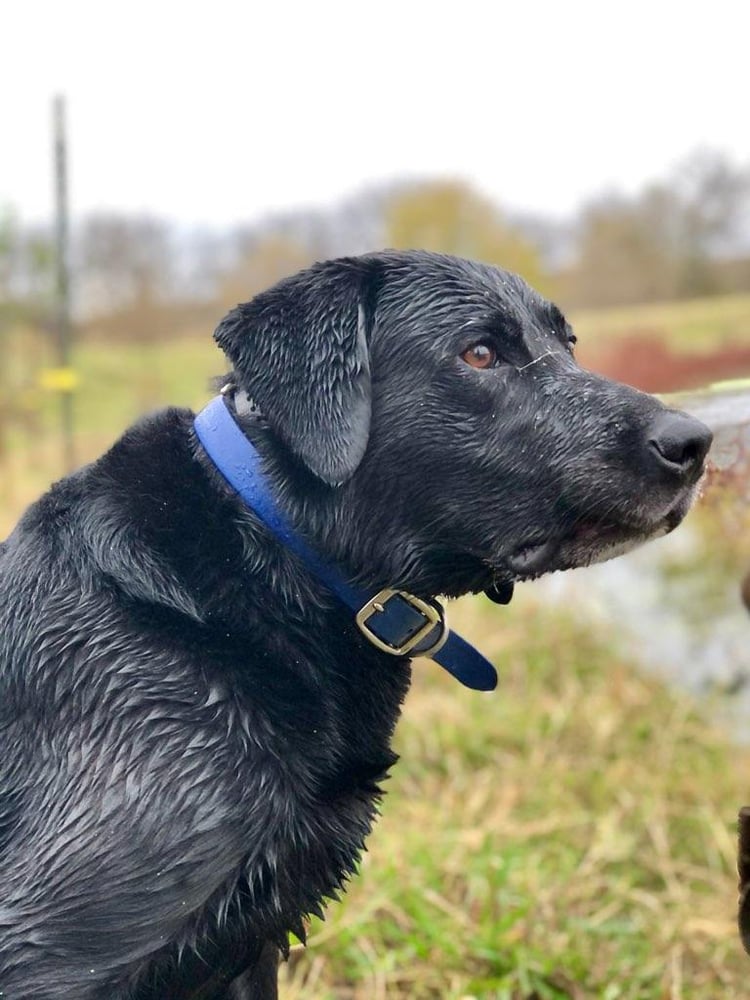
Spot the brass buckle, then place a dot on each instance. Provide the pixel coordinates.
(435, 616)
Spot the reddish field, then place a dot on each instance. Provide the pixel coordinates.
(644, 360)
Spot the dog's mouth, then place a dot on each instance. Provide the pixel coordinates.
(590, 540)
(587, 544)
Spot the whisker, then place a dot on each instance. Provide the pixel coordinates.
(541, 357)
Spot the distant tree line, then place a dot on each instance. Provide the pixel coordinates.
(683, 236)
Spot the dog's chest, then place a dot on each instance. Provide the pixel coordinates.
(310, 760)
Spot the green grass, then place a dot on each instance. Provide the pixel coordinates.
(694, 325)
(118, 383)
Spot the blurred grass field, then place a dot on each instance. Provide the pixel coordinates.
(692, 325)
(568, 836)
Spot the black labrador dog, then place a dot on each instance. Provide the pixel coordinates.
(193, 726)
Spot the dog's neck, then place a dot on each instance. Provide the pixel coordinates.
(394, 621)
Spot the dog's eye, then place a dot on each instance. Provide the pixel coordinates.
(480, 356)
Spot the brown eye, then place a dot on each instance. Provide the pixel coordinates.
(480, 356)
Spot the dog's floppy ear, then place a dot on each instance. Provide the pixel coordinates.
(299, 350)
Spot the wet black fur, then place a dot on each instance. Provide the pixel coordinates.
(192, 731)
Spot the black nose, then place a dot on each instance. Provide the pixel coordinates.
(679, 443)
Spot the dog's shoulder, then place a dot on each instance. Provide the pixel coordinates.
(134, 597)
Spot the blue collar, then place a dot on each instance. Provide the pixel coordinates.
(395, 622)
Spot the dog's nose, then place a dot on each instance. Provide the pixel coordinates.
(679, 442)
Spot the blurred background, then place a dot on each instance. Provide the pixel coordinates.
(601, 152)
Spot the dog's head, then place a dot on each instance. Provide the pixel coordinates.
(430, 428)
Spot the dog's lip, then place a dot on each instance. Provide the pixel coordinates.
(530, 558)
(575, 547)
(535, 553)
(587, 538)
(538, 556)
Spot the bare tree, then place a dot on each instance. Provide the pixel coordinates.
(668, 241)
(123, 263)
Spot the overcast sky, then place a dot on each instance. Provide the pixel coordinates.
(218, 112)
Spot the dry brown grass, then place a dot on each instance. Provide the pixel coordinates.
(571, 835)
